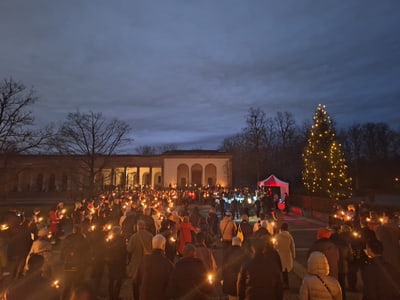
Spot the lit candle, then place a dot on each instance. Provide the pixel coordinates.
(210, 278)
(56, 284)
(109, 238)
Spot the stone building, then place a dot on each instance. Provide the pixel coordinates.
(69, 174)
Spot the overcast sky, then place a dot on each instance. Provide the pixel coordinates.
(187, 71)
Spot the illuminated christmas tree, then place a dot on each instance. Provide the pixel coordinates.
(324, 171)
(339, 185)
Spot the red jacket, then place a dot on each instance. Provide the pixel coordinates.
(54, 221)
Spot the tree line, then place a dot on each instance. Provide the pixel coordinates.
(274, 145)
(264, 146)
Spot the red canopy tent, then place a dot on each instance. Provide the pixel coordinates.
(273, 181)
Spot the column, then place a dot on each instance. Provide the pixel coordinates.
(112, 178)
(125, 177)
(190, 176)
(151, 176)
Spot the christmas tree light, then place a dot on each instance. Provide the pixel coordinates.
(324, 171)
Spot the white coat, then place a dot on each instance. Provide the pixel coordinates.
(312, 288)
(286, 249)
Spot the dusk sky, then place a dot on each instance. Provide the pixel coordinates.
(186, 72)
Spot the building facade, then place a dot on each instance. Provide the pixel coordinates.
(56, 173)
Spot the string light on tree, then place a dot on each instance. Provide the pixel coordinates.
(324, 171)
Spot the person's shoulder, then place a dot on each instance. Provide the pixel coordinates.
(325, 243)
(309, 279)
(147, 233)
(333, 282)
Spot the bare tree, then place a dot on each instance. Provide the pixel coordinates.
(233, 143)
(378, 140)
(154, 150)
(354, 141)
(17, 132)
(146, 150)
(168, 147)
(304, 130)
(255, 134)
(286, 128)
(94, 138)
(242, 165)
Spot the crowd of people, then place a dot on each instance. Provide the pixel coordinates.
(165, 248)
(357, 240)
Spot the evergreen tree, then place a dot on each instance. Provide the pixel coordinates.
(339, 185)
(324, 171)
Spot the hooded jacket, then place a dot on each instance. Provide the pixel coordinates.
(331, 252)
(312, 287)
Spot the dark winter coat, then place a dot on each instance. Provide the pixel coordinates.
(232, 263)
(331, 252)
(128, 225)
(261, 278)
(381, 280)
(20, 242)
(153, 276)
(149, 221)
(189, 280)
(247, 230)
(261, 233)
(345, 253)
(115, 257)
(212, 220)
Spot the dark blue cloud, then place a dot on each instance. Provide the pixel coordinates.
(186, 72)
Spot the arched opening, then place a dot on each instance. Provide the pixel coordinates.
(211, 174)
(131, 179)
(39, 183)
(146, 179)
(99, 181)
(121, 180)
(64, 182)
(52, 183)
(157, 179)
(182, 175)
(197, 174)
